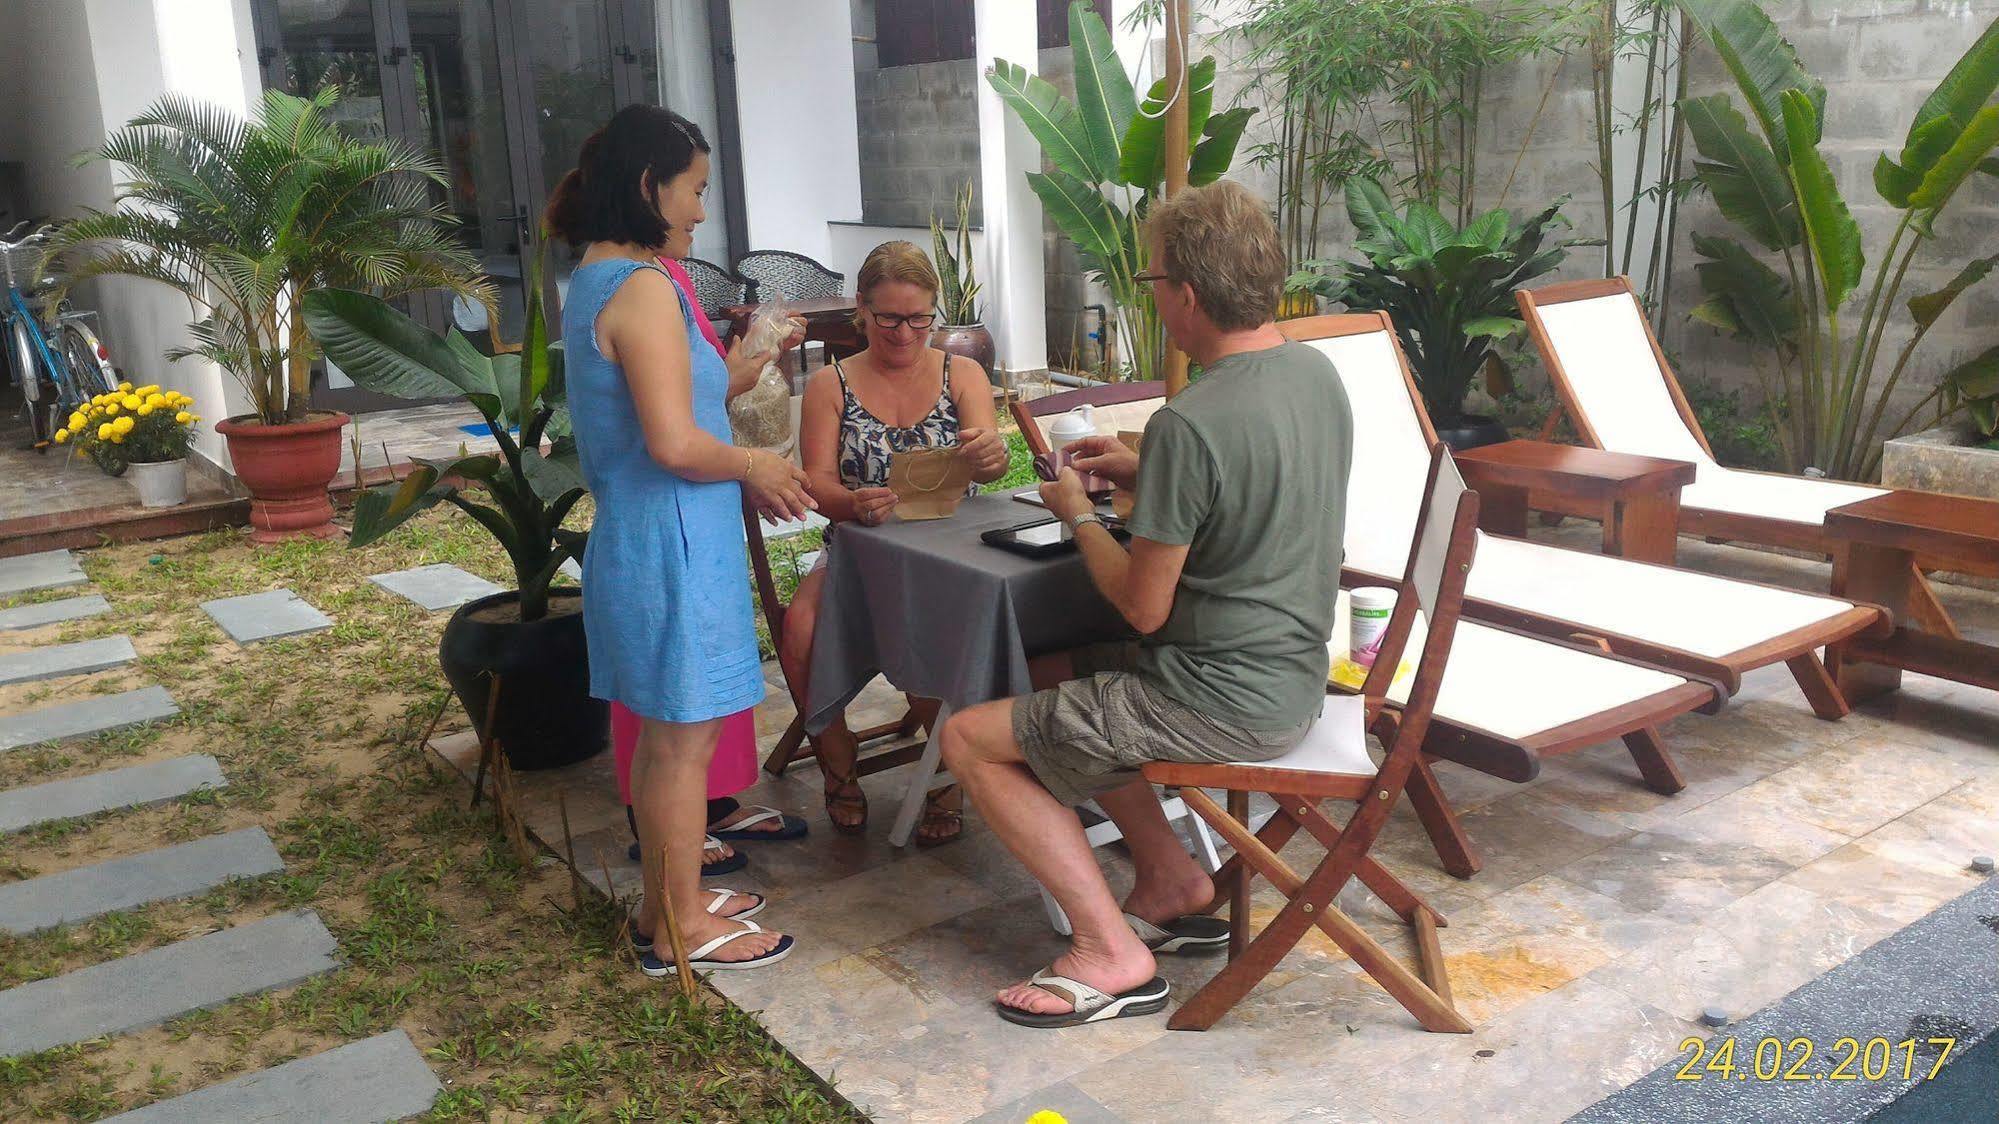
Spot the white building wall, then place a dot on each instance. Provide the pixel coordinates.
(795, 103)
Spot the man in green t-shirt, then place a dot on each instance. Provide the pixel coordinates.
(1231, 581)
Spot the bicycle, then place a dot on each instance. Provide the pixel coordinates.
(55, 358)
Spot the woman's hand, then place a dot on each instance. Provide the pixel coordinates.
(873, 505)
(984, 451)
(777, 488)
(1106, 457)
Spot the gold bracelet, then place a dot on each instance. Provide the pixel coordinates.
(749, 462)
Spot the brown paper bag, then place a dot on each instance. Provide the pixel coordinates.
(928, 483)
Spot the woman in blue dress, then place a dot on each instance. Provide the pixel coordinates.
(666, 599)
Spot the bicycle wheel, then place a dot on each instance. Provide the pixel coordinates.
(38, 399)
(89, 364)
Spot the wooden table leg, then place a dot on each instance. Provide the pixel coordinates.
(1502, 510)
(1644, 528)
(1883, 575)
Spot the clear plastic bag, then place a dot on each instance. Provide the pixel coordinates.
(760, 417)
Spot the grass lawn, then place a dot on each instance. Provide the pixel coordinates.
(520, 1000)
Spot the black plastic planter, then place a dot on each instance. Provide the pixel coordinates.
(546, 717)
(1471, 432)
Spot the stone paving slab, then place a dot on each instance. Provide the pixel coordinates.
(135, 786)
(53, 661)
(366, 1082)
(440, 586)
(51, 569)
(93, 715)
(265, 616)
(52, 612)
(173, 872)
(151, 987)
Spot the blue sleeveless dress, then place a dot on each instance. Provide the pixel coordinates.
(666, 590)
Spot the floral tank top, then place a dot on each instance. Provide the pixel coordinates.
(867, 443)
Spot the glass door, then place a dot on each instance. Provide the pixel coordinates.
(502, 91)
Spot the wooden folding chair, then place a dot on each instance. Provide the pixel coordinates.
(1119, 406)
(1333, 763)
(881, 747)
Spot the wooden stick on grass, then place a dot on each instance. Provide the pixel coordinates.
(673, 937)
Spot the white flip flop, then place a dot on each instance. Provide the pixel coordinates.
(1088, 1004)
(652, 965)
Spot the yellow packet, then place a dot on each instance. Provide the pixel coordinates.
(1351, 676)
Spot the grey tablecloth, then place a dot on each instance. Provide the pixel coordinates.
(943, 615)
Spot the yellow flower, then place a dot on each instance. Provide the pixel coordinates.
(62, 436)
(124, 424)
(1048, 1116)
(133, 401)
(144, 410)
(124, 388)
(194, 417)
(77, 420)
(148, 391)
(112, 410)
(184, 417)
(104, 432)
(118, 438)
(97, 400)
(156, 400)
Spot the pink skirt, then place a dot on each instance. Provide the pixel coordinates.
(733, 769)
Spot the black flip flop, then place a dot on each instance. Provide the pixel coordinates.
(1089, 1005)
(1192, 935)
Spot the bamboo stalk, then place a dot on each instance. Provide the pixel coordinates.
(674, 940)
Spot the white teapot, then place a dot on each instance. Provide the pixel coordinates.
(1075, 425)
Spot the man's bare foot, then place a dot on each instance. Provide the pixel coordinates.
(1160, 901)
(1124, 965)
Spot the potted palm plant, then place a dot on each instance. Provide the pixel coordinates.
(961, 333)
(528, 639)
(244, 217)
(1449, 291)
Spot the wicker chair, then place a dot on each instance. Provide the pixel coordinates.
(716, 288)
(781, 275)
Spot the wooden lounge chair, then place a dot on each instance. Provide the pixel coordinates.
(1712, 627)
(1620, 394)
(881, 747)
(1118, 405)
(1333, 763)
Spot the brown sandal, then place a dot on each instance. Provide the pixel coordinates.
(846, 803)
(932, 814)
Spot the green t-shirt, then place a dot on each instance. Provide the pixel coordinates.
(1248, 468)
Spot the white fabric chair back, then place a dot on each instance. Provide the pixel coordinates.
(1426, 568)
(1606, 353)
(1391, 457)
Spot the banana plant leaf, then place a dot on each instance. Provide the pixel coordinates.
(1928, 307)
(385, 351)
(1053, 119)
(1080, 213)
(1762, 63)
(378, 511)
(1741, 173)
(1835, 237)
(1216, 150)
(1104, 96)
(1973, 144)
(1143, 163)
(1745, 296)
(1969, 85)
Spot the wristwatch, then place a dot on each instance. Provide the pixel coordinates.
(1076, 524)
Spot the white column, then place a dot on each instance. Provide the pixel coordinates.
(1011, 270)
(1627, 95)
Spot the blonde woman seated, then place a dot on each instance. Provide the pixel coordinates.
(898, 394)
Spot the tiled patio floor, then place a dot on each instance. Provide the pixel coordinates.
(1605, 919)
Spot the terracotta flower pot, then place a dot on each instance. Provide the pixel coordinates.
(287, 469)
(969, 340)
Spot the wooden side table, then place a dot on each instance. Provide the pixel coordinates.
(1877, 544)
(1638, 498)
